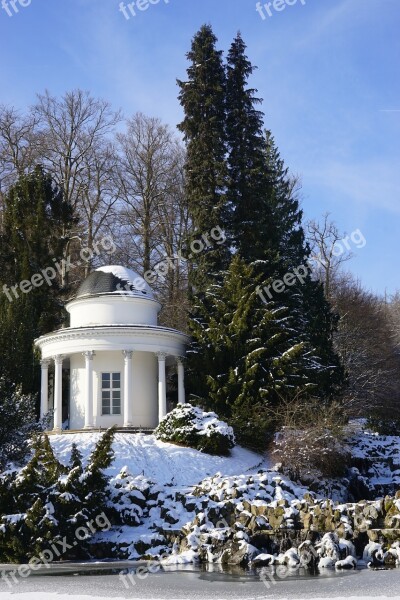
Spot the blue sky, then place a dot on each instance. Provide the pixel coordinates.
(328, 74)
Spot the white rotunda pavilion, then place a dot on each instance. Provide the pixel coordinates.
(116, 353)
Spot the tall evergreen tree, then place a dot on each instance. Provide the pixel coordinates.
(203, 100)
(34, 216)
(249, 357)
(266, 220)
(264, 223)
(314, 320)
(249, 223)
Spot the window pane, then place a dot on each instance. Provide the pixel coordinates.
(105, 403)
(116, 409)
(116, 378)
(117, 395)
(105, 380)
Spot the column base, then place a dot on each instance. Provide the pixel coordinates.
(89, 427)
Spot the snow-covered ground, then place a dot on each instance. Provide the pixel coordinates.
(160, 462)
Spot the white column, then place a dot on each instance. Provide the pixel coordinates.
(89, 389)
(58, 362)
(44, 393)
(181, 380)
(162, 386)
(128, 387)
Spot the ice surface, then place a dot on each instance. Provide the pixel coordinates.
(189, 584)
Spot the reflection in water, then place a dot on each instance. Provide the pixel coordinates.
(209, 572)
(212, 572)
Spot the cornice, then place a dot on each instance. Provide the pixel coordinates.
(76, 333)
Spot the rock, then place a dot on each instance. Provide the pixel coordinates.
(258, 510)
(326, 563)
(275, 517)
(262, 541)
(244, 518)
(291, 559)
(308, 555)
(235, 553)
(373, 554)
(329, 546)
(390, 559)
(348, 563)
(308, 521)
(263, 560)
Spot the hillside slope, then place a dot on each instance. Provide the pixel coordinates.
(160, 462)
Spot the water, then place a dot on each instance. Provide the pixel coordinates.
(210, 582)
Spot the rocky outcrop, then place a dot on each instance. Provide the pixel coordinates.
(264, 518)
(240, 521)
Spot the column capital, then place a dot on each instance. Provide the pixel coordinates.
(45, 363)
(161, 356)
(89, 354)
(180, 360)
(127, 354)
(58, 359)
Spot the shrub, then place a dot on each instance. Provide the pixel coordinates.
(311, 440)
(46, 502)
(17, 423)
(189, 426)
(384, 425)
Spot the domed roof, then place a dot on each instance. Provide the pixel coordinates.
(115, 280)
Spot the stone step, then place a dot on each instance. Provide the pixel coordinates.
(145, 430)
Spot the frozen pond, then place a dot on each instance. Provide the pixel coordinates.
(189, 583)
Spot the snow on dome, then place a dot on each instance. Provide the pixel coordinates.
(115, 279)
(135, 282)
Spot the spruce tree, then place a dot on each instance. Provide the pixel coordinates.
(39, 475)
(67, 497)
(94, 480)
(264, 223)
(313, 319)
(202, 97)
(34, 216)
(250, 358)
(17, 423)
(46, 501)
(249, 221)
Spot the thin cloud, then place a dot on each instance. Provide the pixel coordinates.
(370, 184)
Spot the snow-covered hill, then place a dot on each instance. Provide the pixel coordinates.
(214, 508)
(160, 462)
(167, 499)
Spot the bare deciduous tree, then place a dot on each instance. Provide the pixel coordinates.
(100, 195)
(393, 308)
(327, 256)
(75, 130)
(19, 145)
(153, 216)
(365, 343)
